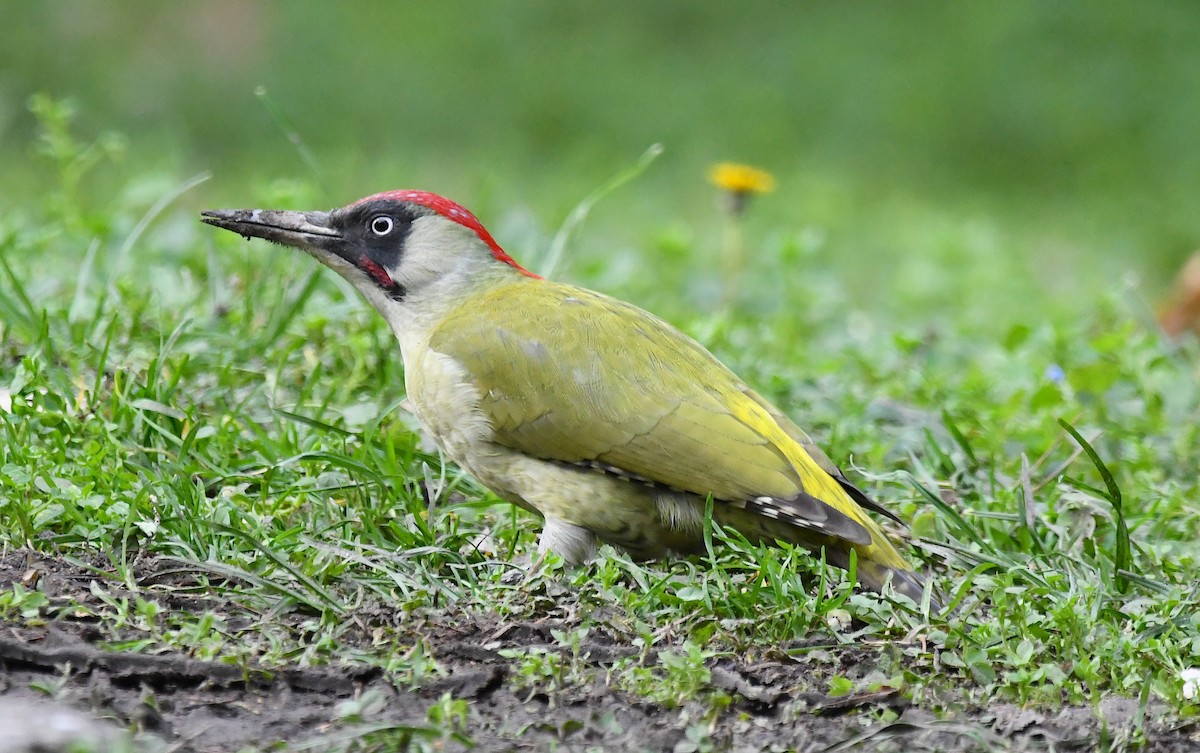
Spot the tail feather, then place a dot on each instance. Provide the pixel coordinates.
(874, 576)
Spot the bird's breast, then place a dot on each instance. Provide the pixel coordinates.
(446, 402)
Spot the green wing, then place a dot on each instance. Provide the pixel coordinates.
(578, 377)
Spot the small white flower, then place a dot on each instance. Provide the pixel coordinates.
(838, 619)
(5, 400)
(1191, 682)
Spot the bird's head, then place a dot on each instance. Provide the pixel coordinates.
(390, 246)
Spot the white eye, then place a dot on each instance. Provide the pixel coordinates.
(382, 225)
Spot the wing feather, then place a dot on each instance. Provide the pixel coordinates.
(578, 377)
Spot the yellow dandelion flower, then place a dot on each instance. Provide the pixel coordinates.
(741, 179)
(739, 183)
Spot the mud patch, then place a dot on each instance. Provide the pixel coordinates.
(167, 700)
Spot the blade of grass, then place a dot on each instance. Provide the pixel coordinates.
(583, 208)
(292, 134)
(163, 202)
(82, 280)
(311, 584)
(314, 423)
(1121, 554)
(965, 529)
(236, 573)
(17, 308)
(959, 438)
(282, 316)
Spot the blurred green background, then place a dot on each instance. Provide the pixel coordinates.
(1006, 159)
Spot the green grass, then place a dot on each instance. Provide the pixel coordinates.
(230, 409)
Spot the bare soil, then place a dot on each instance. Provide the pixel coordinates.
(62, 674)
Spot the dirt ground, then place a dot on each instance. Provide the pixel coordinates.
(60, 684)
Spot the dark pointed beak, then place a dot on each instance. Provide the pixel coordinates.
(306, 230)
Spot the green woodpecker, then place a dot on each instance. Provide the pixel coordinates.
(605, 420)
